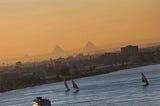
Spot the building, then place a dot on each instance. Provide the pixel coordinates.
(129, 50)
(111, 58)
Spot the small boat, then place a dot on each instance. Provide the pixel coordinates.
(39, 101)
(75, 86)
(66, 85)
(144, 79)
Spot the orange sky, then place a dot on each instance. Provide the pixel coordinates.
(35, 26)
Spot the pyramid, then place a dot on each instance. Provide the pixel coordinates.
(58, 51)
(89, 46)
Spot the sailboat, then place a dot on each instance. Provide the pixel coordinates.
(66, 85)
(75, 86)
(144, 79)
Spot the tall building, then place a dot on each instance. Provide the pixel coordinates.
(129, 50)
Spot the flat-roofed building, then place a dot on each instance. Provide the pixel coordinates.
(130, 50)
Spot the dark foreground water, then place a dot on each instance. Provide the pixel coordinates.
(122, 88)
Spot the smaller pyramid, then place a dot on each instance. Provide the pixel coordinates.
(89, 46)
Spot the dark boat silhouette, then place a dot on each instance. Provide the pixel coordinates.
(144, 79)
(39, 101)
(75, 86)
(66, 85)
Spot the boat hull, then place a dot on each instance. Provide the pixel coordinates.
(41, 102)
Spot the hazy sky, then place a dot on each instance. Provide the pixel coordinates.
(35, 26)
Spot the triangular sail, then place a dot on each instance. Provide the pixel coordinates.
(75, 86)
(66, 85)
(144, 79)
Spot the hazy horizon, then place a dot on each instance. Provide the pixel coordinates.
(33, 27)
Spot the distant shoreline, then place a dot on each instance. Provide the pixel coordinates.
(104, 71)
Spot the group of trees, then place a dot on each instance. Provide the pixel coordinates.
(23, 81)
(58, 71)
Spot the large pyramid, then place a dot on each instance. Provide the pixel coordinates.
(58, 51)
(89, 46)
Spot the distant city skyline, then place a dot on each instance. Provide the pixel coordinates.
(34, 27)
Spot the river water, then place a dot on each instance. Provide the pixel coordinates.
(122, 88)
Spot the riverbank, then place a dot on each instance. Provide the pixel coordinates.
(107, 70)
(78, 74)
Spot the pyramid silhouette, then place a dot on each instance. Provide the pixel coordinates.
(58, 50)
(89, 46)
